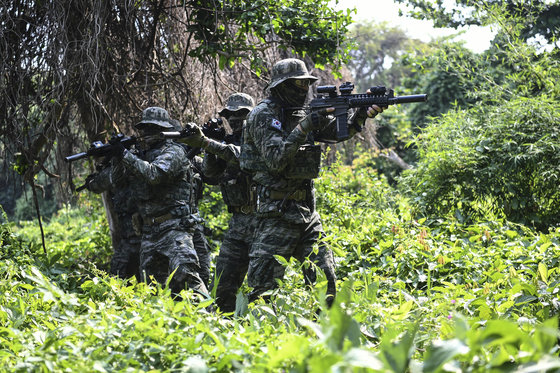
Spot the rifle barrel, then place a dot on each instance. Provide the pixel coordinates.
(75, 157)
(171, 135)
(411, 98)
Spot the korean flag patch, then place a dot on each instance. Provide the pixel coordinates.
(276, 124)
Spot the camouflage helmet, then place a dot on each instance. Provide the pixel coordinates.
(155, 116)
(289, 68)
(237, 102)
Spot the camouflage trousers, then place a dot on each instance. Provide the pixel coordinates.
(276, 236)
(125, 262)
(165, 250)
(232, 262)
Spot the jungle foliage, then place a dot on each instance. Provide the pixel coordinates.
(76, 72)
(453, 266)
(537, 17)
(497, 151)
(414, 295)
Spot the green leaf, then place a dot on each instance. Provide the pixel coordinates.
(280, 259)
(525, 298)
(441, 352)
(397, 352)
(361, 358)
(543, 271)
(195, 364)
(403, 311)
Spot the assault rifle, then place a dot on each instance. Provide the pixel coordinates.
(100, 149)
(380, 96)
(213, 129)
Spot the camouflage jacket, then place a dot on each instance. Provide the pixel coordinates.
(221, 165)
(166, 180)
(284, 161)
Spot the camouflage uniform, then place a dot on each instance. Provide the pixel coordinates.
(221, 166)
(200, 242)
(125, 260)
(167, 204)
(201, 245)
(284, 161)
(233, 259)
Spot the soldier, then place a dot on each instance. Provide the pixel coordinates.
(221, 163)
(200, 242)
(278, 149)
(125, 260)
(201, 245)
(167, 204)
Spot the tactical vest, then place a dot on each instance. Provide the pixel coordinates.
(178, 194)
(236, 191)
(305, 165)
(236, 185)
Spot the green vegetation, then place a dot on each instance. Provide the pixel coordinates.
(510, 167)
(452, 265)
(412, 295)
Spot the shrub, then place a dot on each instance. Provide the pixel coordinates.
(498, 160)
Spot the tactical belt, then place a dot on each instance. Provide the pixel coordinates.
(158, 219)
(297, 195)
(242, 209)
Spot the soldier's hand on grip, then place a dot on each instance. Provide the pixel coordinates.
(89, 179)
(118, 150)
(193, 136)
(315, 121)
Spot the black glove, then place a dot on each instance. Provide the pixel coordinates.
(117, 150)
(315, 121)
(192, 135)
(88, 180)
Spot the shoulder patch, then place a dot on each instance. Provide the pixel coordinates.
(276, 124)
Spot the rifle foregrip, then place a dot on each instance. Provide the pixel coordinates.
(385, 101)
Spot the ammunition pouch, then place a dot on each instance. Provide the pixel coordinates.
(239, 195)
(235, 192)
(250, 160)
(306, 163)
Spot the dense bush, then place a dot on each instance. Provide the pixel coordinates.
(503, 160)
(428, 295)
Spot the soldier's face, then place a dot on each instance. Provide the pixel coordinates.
(301, 84)
(295, 91)
(150, 136)
(236, 118)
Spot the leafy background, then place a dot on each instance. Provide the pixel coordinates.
(422, 295)
(443, 219)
